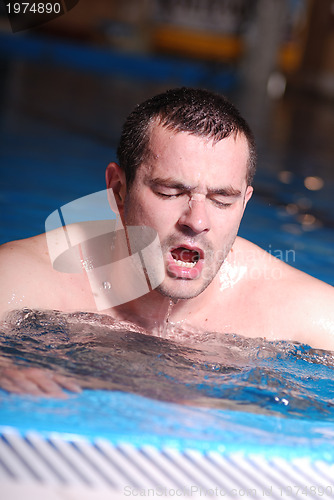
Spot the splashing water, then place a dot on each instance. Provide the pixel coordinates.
(223, 371)
(165, 329)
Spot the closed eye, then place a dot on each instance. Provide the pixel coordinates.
(220, 204)
(217, 203)
(168, 195)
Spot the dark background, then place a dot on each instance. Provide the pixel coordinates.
(67, 85)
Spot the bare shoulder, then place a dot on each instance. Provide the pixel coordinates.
(301, 306)
(22, 263)
(19, 258)
(28, 278)
(273, 266)
(27, 248)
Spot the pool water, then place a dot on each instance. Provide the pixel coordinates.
(192, 368)
(203, 391)
(225, 393)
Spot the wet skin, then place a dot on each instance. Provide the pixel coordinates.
(193, 193)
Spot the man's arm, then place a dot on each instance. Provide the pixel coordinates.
(21, 272)
(24, 270)
(302, 308)
(313, 313)
(35, 381)
(284, 303)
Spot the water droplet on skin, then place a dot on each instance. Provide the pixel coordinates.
(167, 327)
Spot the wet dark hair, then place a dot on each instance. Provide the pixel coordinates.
(196, 111)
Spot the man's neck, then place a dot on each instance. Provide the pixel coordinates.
(155, 311)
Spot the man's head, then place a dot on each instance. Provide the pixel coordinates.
(196, 111)
(186, 162)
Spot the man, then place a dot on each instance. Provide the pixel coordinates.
(186, 163)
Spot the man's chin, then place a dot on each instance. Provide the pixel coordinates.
(181, 289)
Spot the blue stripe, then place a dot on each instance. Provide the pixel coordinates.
(28, 466)
(92, 464)
(110, 62)
(111, 462)
(46, 461)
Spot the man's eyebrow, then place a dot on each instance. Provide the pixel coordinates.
(227, 191)
(170, 183)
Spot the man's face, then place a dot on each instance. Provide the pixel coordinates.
(193, 193)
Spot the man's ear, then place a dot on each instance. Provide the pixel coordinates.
(115, 180)
(248, 195)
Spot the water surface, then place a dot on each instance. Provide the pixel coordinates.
(223, 371)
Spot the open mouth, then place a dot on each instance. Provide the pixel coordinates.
(185, 257)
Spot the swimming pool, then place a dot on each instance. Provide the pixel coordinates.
(242, 429)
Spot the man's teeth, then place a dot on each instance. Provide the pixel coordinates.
(184, 264)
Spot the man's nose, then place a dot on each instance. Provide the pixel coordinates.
(195, 216)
